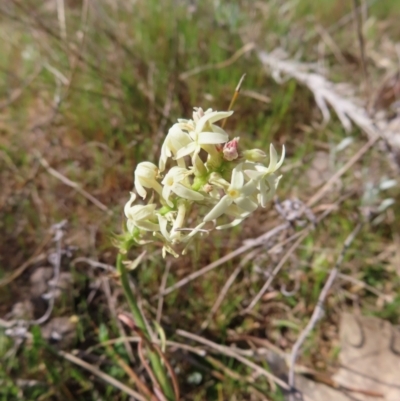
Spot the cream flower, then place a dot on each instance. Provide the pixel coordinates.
(232, 182)
(267, 181)
(238, 192)
(173, 182)
(140, 216)
(205, 133)
(175, 140)
(146, 177)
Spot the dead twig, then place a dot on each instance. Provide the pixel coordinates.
(73, 184)
(61, 19)
(234, 97)
(223, 64)
(361, 43)
(95, 263)
(256, 95)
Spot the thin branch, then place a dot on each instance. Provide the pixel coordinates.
(61, 19)
(318, 310)
(94, 263)
(223, 64)
(361, 42)
(256, 95)
(234, 98)
(73, 184)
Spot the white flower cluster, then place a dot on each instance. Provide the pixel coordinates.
(201, 176)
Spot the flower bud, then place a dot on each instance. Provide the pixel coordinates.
(254, 155)
(230, 149)
(197, 114)
(146, 174)
(207, 188)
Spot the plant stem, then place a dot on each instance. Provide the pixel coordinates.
(155, 361)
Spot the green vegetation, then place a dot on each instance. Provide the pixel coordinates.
(97, 99)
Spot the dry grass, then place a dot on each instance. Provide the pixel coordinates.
(89, 89)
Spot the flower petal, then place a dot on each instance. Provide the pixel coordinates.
(212, 138)
(163, 227)
(141, 212)
(175, 140)
(211, 118)
(186, 151)
(218, 209)
(177, 174)
(249, 188)
(273, 158)
(230, 225)
(253, 174)
(246, 204)
(237, 179)
(148, 226)
(267, 190)
(186, 193)
(139, 188)
(128, 204)
(130, 225)
(281, 159)
(166, 192)
(178, 139)
(218, 129)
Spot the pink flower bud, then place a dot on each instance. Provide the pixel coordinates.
(230, 149)
(207, 188)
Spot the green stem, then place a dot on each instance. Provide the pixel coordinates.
(155, 361)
